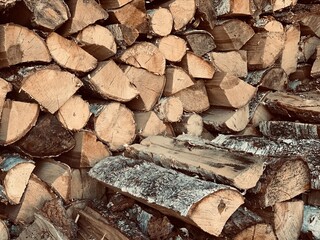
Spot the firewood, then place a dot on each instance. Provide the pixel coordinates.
(4, 231)
(57, 175)
(149, 86)
(309, 24)
(233, 62)
(268, 24)
(87, 151)
(69, 55)
(7, 4)
(302, 73)
(311, 216)
(208, 163)
(259, 231)
(312, 197)
(148, 124)
(315, 70)
(226, 120)
(190, 123)
(229, 91)
(145, 55)
(21, 45)
(123, 35)
(15, 173)
(169, 132)
(115, 126)
(169, 109)
(307, 47)
(133, 15)
(206, 11)
(107, 4)
(161, 21)
(48, 16)
(231, 34)
(98, 41)
(109, 82)
(176, 80)
(279, 4)
(36, 194)
(259, 114)
(196, 66)
(172, 47)
(5, 88)
(51, 88)
(83, 14)
(16, 121)
(200, 41)
(189, 209)
(194, 98)
(232, 8)
(48, 138)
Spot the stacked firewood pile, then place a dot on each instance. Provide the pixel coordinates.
(177, 119)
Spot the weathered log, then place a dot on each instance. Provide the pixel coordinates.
(169, 109)
(148, 124)
(123, 35)
(186, 205)
(206, 12)
(190, 123)
(200, 41)
(161, 21)
(311, 221)
(172, 47)
(312, 197)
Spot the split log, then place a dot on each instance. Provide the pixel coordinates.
(69, 55)
(115, 126)
(123, 35)
(312, 198)
(206, 12)
(161, 21)
(149, 86)
(169, 109)
(194, 98)
(83, 14)
(145, 55)
(307, 47)
(57, 175)
(16, 121)
(5, 88)
(233, 62)
(232, 8)
(107, 4)
(87, 151)
(226, 120)
(229, 91)
(172, 47)
(15, 172)
(187, 204)
(280, 4)
(268, 24)
(309, 24)
(240, 171)
(232, 34)
(148, 124)
(98, 41)
(7, 4)
(4, 231)
(109, 82)
(259, 231)
(51, 88)
(196, 66)
(315, 70)
(200, 41)
(21, 45)
(190, 124)
(311, 221)
(259, 114)
(48, 138)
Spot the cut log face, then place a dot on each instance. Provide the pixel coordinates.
(5, 87)
(148, 124)
(169, 109)
(145, 55)
(172, 47)
(190, 124)
(115, 126)
(233, 8)
(51, 88)
(16, 121)
(309, 24)
(240, 171)
(69, 55)
(280, 4)
(307, 47)
(98, 41)
(161, 21)
(311, 221)
(110, 4)
(83, 14)
(188, 205)
(200, 41)
(109, 82)
(48, 15)
(21, 45)
(124, 35)
(259, 231)
(4, 231)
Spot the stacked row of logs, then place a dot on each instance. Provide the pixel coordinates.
(177, 119)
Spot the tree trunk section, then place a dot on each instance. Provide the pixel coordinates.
(148, 124)
(169, 109)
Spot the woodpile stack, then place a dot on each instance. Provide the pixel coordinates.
(171, 119)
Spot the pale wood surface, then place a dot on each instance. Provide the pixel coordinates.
(4, 231)
(148, 124)
(161, 21)
(177, 79)
(190, 123)
(172, 47)
(169, 109)
(123, 35)
(233, 8)
(5, 88)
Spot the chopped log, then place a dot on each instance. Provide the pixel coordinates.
(87, 151)
(309, 24)
(232, 8)
(206, 11)
(311, 221)
(232, 34)
(110, 4)
(83, 14)
(260, 114)
(123, 35)
(149, 86)
(259, 231)
(226, 120)
(172, 47)
(132, 15)
(233, 62)
(16, 121)
(69, 55)
(15, 172)
(185, 204)
(190, 124)
(312, 198)
(48, 15)
(176, 80)
(36, 194)
(4, 231)
(148, 124)
(7, 4)
(307, 47)
(280, 4)
(145, 55)
(268, 24)
(161, 21)
(5, 88)
(240, 171)
(115, 126)
(21, 45)
(200, 41)
(57, 175)
(51, 88)
(194, 98)
(98, 41)
(169, 109)
(302, 73)
(109, 82)
(315, 70)
(169, 132)
(196, 66)
(48, 138)
(229, 91)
